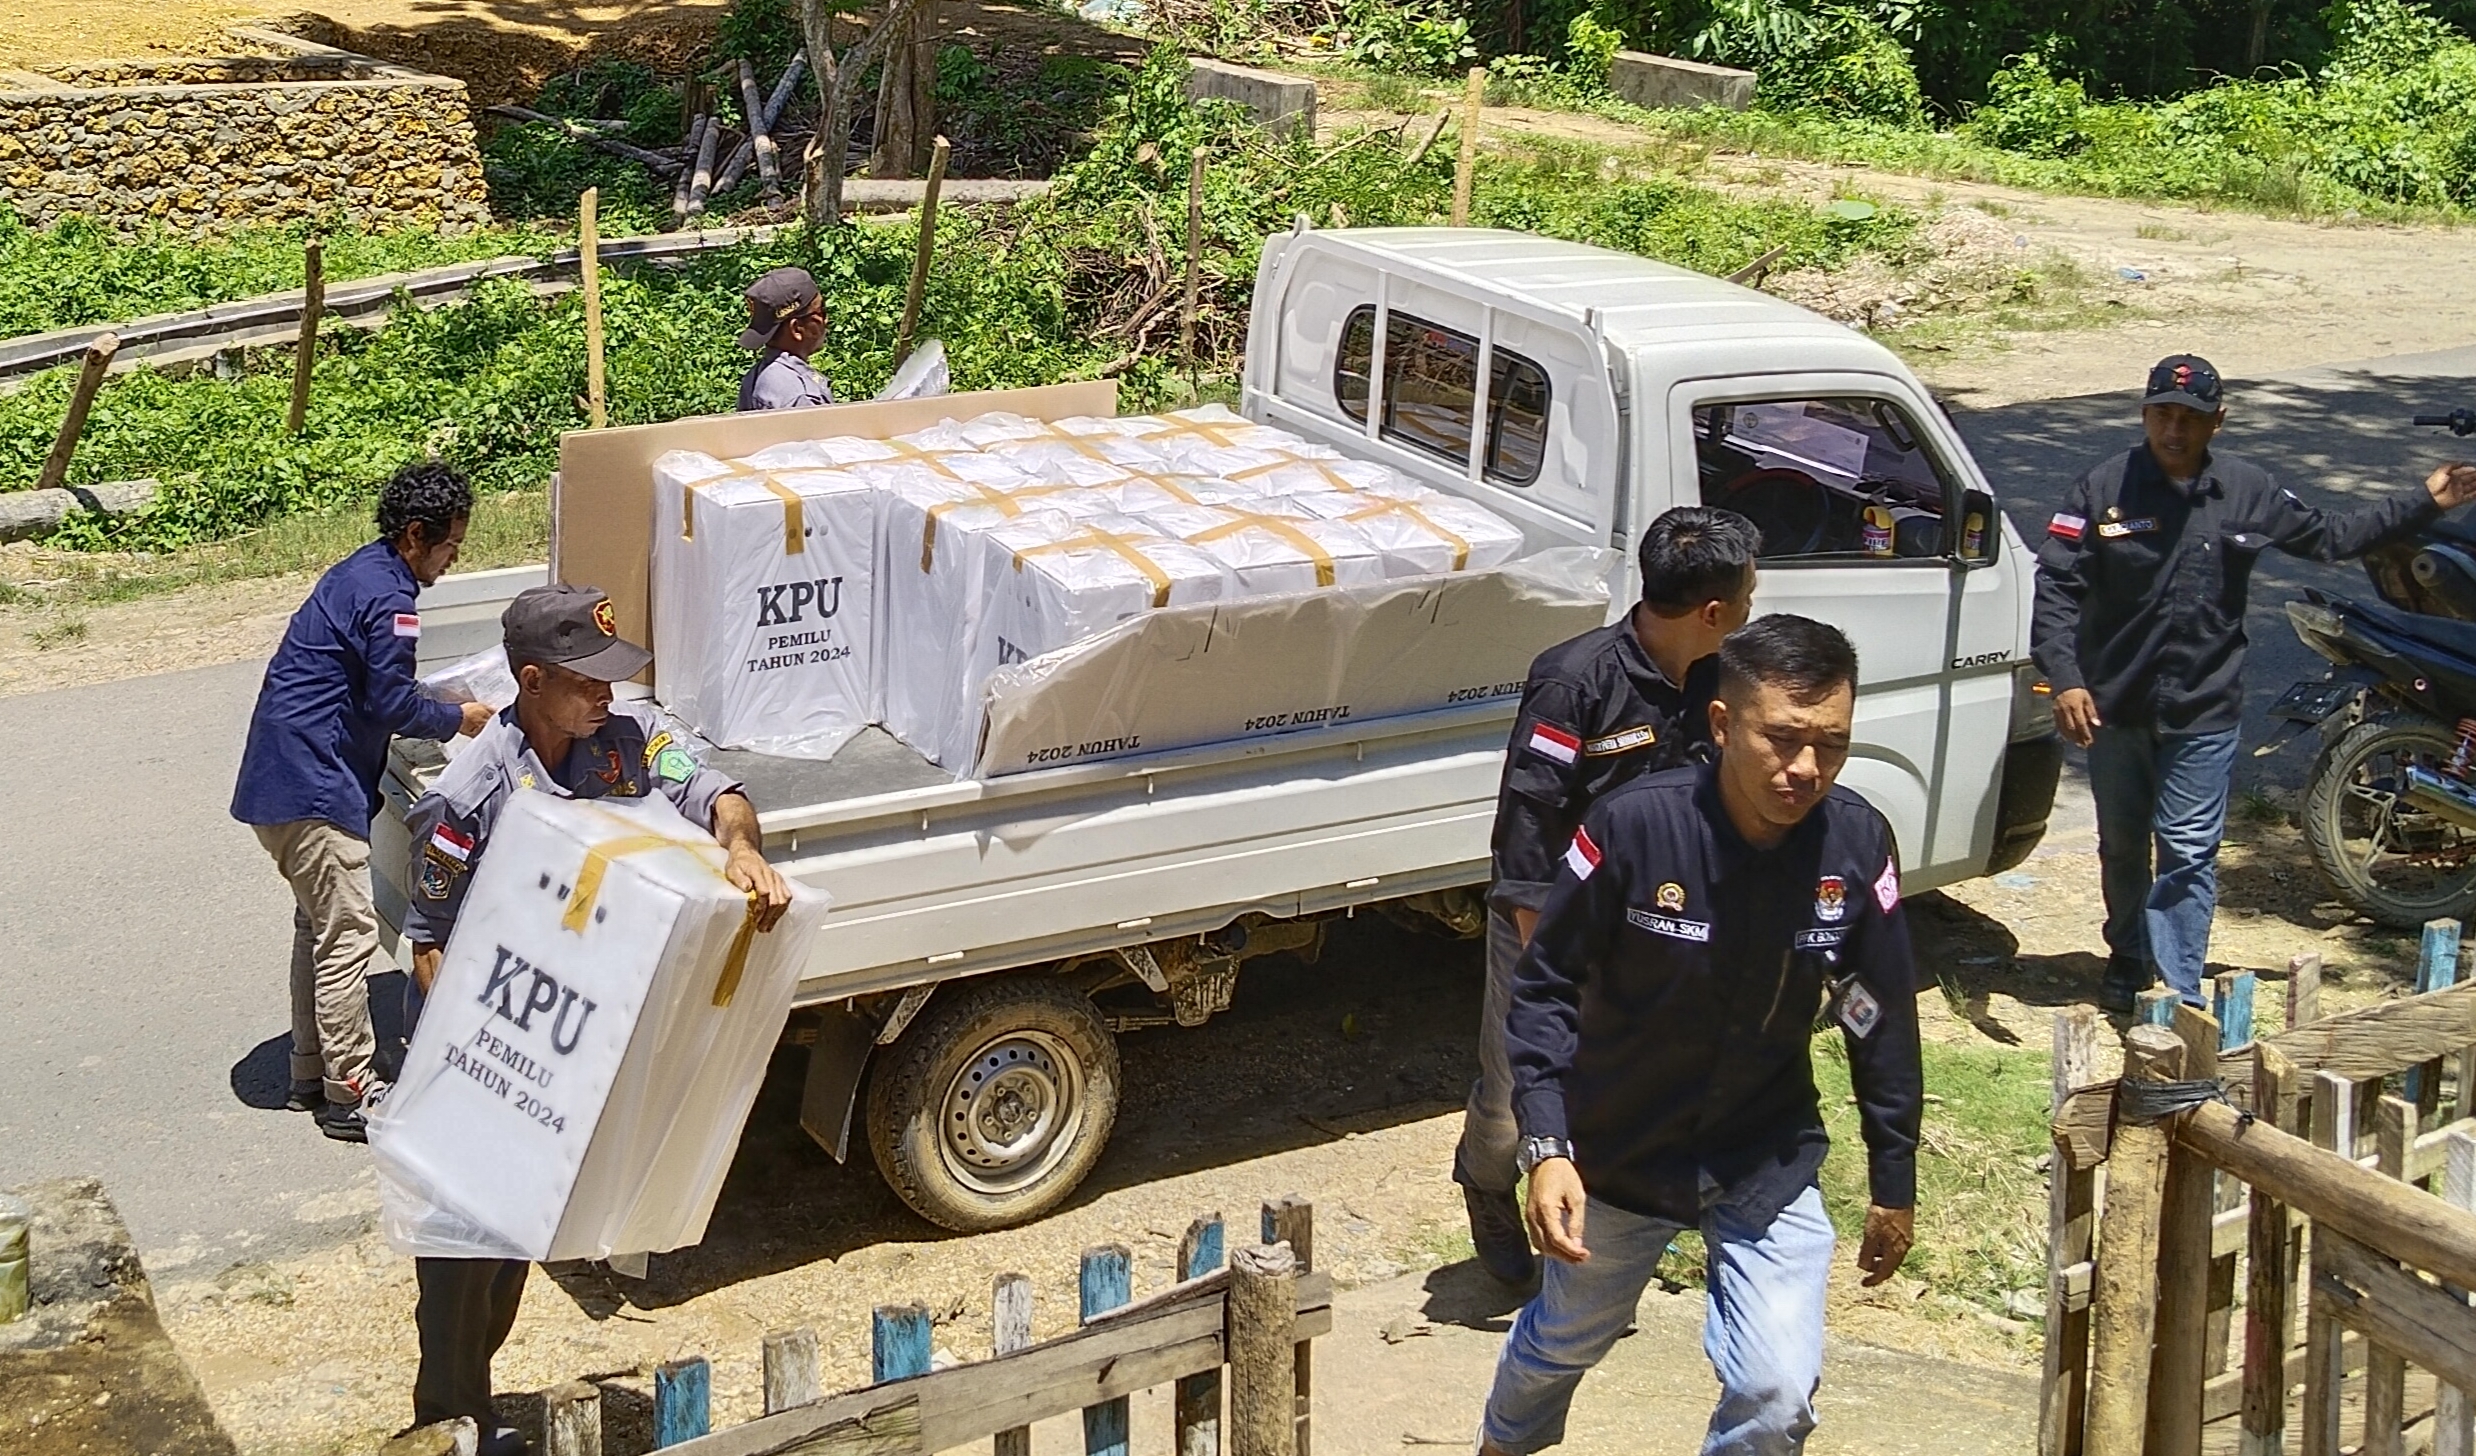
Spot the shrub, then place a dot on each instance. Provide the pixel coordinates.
(1842, 64)
(2029, 109)
(1420, 36)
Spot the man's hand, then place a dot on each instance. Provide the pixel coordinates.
(1555, 1211)
(2076, 716)
(2452, 486)
(1889, 1234)
(477, 716)
(751, 871)
(425, 966)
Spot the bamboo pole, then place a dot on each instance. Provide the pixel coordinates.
(81, 400)
(687, 175)
(1466, 170)
(305, 353)
(2124, 1314)
(1194, 264)
(589, 266)
(1262, 1313)
(760, 132)
(701, 182)
(918, 290)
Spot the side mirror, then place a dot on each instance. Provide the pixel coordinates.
(1981, 530)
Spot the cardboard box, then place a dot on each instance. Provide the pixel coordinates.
(1231, 670)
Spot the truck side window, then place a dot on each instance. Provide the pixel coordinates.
(1430, 378)
(1849, 478)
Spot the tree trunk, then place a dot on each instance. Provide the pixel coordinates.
(2257, 47)
(838, 77)
(907, 99)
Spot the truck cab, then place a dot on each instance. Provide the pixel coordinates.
(1612, 388)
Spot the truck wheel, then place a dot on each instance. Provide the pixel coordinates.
(2396, 862)
(991, 1108)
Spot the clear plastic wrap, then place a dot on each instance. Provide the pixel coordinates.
(1276, 549)
(1425, 536)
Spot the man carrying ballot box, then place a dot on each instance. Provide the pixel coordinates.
(562, 736)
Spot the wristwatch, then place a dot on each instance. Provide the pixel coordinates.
(1537, 1150)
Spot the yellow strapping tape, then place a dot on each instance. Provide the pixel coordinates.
(1331, 476)
(1165, 483)
(1127, 550)
(597, 864)
(928, 533)
(933, 459)
(1287, 531)
(794, 509)
(1461, 548)
(1218, 434)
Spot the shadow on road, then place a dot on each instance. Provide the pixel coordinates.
(262, 1078)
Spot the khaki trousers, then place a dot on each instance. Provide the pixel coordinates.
(334, 951)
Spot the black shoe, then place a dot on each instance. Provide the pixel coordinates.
(1497, 1234)
(504, 1441)
(307, 1095)
(347, 1122)
(2121, 987)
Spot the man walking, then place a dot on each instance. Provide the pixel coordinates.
(339, 686)
(2142, 581)
(1598, 712)
(786, 324)
(1707, 921)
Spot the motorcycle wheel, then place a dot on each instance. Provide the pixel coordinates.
(2398, 864)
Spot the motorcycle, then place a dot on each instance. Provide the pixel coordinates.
(2390, 806)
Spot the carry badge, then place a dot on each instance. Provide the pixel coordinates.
(1830, 898)
(1859, 1011)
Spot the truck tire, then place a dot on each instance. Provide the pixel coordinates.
(2396, 863)
(992, 1107)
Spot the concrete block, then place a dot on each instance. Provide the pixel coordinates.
(1278, 101)
(1664, 81)
(29, 513)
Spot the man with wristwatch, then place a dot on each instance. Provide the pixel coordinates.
(1707, 922)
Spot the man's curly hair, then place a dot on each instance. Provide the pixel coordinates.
(428, 492)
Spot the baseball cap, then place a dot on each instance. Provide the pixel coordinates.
(2185, 379)
(783, 293)
(573, 627)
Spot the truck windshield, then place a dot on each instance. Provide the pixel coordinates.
(1430, 378)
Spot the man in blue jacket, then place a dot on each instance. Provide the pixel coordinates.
(338, 688)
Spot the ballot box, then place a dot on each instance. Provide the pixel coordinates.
(1423, 536)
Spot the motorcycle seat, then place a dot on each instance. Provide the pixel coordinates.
(2443, 634)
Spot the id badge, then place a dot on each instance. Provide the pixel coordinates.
(1859, 1011)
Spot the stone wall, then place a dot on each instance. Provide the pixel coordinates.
(203, 144)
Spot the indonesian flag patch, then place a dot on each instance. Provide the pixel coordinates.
(2066, 527)
(1887, 886)
(1582, 856)
(1550, 741)
(447, 841)
(408, 624)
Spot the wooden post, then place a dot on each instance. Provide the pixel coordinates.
(2178, 1369)
(1290, 1219)
(1194, 263)
(683, 1401)
(2070, 1222)
(2334, 1118)
(898, 1342)
(1010, 1323)
(2303, 989)
(2124, 1309)
(2385, 1374)
(81, 399)
(572, 1419)
(2454, 1432)
(2231, 1001)
(1262, 1324)
(1465, 170)
(305, 353)
(791, 1374)
(1199, 1396)
(918, 290)
(1107, 1281)
(760, 132)
(2155, 1007)
(589, 269)
(2270, 1269)
(2437, 969)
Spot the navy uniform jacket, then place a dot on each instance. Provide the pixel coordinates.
(628, 757)
(2142, 583)
(1663, 1014)
(340, 685)
(1596, 714)
(782, 381)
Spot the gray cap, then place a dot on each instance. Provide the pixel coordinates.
(572, 627)
(773, 300)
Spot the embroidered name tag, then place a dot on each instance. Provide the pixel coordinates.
(1859, 1011)
(2138, 525)
(1697, 931)
(1623, 741)
(1821, 939)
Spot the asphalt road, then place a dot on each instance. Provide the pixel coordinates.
(144, 936)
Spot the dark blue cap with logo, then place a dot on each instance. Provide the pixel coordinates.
(2185, 379)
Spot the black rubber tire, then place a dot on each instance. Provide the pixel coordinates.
(911, 1082)
(2327, 800)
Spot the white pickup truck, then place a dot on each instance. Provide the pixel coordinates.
(974, 921)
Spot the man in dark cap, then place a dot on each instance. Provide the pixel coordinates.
(786, 323)
(563, 735)
(2140, 628)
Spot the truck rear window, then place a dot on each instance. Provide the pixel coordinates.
(1430, 378)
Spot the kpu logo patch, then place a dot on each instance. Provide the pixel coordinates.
(1830, 898)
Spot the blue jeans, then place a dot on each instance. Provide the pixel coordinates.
(2167, 792)
(1763, 1334)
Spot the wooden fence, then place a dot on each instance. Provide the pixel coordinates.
(1252, 1315)
(2310, 1186)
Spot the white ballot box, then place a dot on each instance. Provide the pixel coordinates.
(1426, 536)
(764, 598)
(587, 1055)
(1277, 548)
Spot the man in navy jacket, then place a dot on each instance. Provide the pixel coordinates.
(338, 688)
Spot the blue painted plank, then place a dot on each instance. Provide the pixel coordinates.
(683, 1399)
(898, 1342)
(1107, 1281)
(2437, 968)
(1197, 1411)
(2233, 995)
(1206, 1256)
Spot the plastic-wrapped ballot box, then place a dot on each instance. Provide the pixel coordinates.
(1286, 474)
(934, 579)
(1048, 589)
(1190, 437)
(1428, 536)
(1267, 552)
(587, 1055)
(1139, 494)
(764, 601)
(1068, 459)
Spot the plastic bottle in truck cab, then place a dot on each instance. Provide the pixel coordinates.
(1613, 388)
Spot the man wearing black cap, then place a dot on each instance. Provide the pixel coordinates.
(565, 736)
(2140, 628)
(786, 323)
